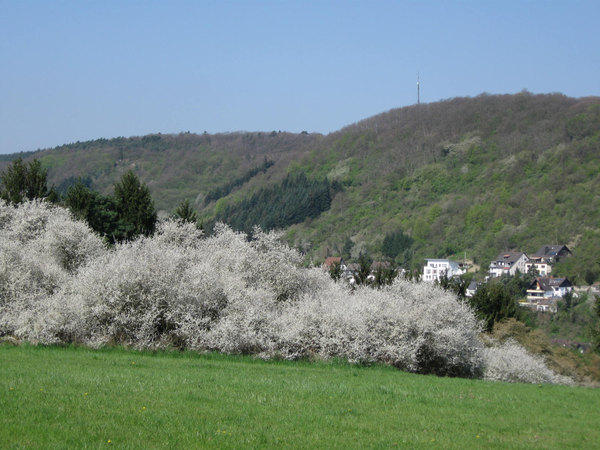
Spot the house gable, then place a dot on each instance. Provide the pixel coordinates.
(548, 288)
(332, 260)
(551, 253)
(508, 263)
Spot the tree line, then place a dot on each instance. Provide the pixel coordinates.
(130, 212)
(127, 213)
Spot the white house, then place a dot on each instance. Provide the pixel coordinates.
(508, 263)
(436, 268)
(548, 288)
(471, 289)
(547, 255)
(542, 268)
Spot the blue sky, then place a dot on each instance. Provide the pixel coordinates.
(79, 70)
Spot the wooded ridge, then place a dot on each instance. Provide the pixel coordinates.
(464, 177)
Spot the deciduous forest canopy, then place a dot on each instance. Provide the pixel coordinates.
(462, 177)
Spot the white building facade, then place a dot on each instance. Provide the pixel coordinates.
(435, 269)
(508, 264)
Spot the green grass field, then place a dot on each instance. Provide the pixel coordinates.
(75, 397)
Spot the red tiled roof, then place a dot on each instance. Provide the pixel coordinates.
(332, 260)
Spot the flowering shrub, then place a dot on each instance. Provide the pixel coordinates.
(59, 284)
(400, 325)
(41, 246)
(511, 362)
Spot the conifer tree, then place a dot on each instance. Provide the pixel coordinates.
(134, 206)
(97, 210)
(21, 182)
(186, 212)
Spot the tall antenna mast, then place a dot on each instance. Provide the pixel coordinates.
(418, 90)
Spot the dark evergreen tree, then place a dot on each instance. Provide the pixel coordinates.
(456, 285)
(347, 249)
(223, 190)
(493, 302)
(134, 206)
(186, 212)
(295, 199)
(335, 271)
(21, 182)
(96, 209)
(384, 276)
(364, 270)
(13, 182)
(395, 243)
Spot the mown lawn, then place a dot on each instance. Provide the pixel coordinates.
(52, 397)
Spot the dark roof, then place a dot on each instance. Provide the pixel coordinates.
(550, 251)
(546, 284)
(381, 264)
(509, 257)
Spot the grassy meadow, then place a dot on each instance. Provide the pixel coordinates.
(66, 397)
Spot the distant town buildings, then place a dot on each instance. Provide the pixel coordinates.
(435, 269)
(542, 294)
(508, 263)
(545, 290)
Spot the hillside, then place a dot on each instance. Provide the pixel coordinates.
(477, 175)
(174, 167)
(465, 177)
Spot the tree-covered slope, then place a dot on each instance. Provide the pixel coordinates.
(465, 176)
(175, 167)
(477, 175)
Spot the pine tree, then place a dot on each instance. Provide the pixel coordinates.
(97, 210)
(185, 212)
(21, 182)
(134, 206)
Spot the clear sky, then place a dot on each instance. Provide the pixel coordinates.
(80, 69)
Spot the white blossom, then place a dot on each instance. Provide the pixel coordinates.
(178, 288)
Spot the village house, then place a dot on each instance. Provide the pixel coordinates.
(547, 255)
(378, 266)
(544, 288)
(471, 289)
(435, 269)
(331, 261)
(351, 272)
(508, 263)
(542, 268)
(551, 253)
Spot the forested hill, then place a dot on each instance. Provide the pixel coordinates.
(465, 176)
(175, 167)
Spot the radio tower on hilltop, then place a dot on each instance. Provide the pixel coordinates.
(418, 90)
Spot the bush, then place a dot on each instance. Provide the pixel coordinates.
(414, 327)
(228, 293)
(41, 247)
(511, 362)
